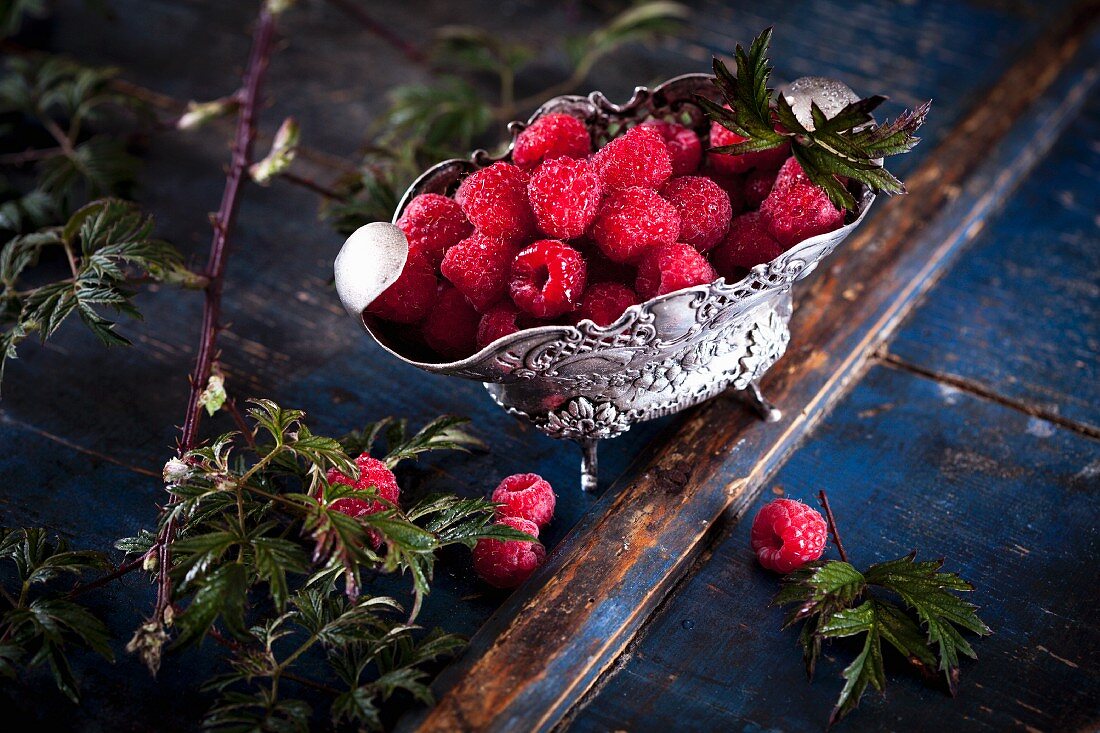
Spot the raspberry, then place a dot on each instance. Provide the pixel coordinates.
(601, 269)
(548, 278)
(764, 159)
(478, 267)
(372, 473)
(638, 158)
(507, 563)
(433, 223)
(789, 174)
(732, 183)
(604, 302)
(549, 137)
(503, 319)
(526, 496)
(787, 534)
(799, 211)
(685, 150)
(631, 220)
(451, 327)
(704, 209)
(670, 267)
(410, 298)
(565, 196)
(758, 185)
(494, 199)
(747, 244)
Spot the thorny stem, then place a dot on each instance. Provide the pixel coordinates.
(832, 524)
(411, 52)
(223, 221)
(122, 569)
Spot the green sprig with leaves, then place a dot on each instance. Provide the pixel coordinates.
(848, 145)
(39, 624)
(832, 599)
(108, 245)
(266, 554)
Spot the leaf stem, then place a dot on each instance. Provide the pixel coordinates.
(832, 524)
(115, 574)
(311, 185)
(411, 52)
(262, 42)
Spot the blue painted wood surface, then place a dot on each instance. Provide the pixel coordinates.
(909, 464)
(83, 427)
(1021, 314)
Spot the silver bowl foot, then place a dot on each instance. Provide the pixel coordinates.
(589, 464)
(767, 411)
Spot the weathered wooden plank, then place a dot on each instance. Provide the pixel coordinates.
(553, 638)
(1020, 314)
(909, 464)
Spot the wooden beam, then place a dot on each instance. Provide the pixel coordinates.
(551, 641)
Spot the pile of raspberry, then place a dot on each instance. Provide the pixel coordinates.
(562, 233)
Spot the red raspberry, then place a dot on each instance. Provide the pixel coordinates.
(787, 534)
(451, 327)
(631, 220)
(507, 563)
(604, 302)
(433, 223)
(494, 199)
(410, 298)
(704, 209)
(372, 473)
(764, 159)
(789, 174)
(799, 211)
(551, 136)
(478, 267)
(548, 278)
(685, 150)
(747, 244)
(565, 195)
(758, 185)
(527, 496)
(670, 267)
(502, 319)
(638, 158)
(732, 184)
(601, 269)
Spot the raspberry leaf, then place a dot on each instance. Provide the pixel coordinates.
(928, 592)
(817, 591)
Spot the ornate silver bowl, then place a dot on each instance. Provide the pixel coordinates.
(587, 383)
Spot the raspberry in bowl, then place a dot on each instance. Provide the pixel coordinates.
(615, 275)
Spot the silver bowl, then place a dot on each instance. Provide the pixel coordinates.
(587, 383)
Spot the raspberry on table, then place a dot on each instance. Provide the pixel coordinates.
(764, 159)
(478, 266)
(373, 473)
(799, 211)
(604, 302)
(434, 223)
(527, 496)
(500, 320)
(787, 534)
(704, 209)
(758, 184)
(548, 278)
(670, 267)
(631, 220)
(747, 244)
(507, 563)
(637, 158)
(565, 195)
(494, 199)
(685, 150)
(551, 136)
(411, 296)
(451, 326)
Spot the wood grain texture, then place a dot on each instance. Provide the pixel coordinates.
(551, 641)
(909, 464)
(1020, 314)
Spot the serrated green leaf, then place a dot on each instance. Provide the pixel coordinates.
(221, 594)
